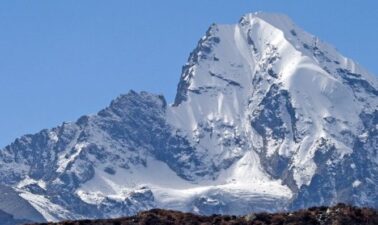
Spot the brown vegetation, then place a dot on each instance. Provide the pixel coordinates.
(337, 215)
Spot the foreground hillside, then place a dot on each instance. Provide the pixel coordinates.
(340, 214)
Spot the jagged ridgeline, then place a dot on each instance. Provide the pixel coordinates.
(267, 117)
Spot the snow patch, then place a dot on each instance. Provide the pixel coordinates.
(356, 183)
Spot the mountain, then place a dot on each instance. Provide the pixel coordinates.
(8, 219)
(267, 117)
(339, 214)
(16, 207)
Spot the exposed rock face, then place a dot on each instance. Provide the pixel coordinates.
(267, 117)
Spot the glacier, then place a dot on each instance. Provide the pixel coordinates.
(267, 117)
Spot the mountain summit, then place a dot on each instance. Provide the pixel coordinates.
(267, 117)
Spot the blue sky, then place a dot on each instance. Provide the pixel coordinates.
(63, 59)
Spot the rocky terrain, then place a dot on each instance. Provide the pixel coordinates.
(337, 215)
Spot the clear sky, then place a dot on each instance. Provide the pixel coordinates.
(63, 59)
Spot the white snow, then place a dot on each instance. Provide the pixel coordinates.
(315, 92)
(50, 211)
(27, 181)
(69, 157)
(356, 183)
(172, 191)
(53, 136)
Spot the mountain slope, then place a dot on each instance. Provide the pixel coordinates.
(12, 204)
(294, 99)
(267, 117)
(7, 219)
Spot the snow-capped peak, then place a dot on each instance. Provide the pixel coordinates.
(278, 20)
(266, 117)
(231, 75)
